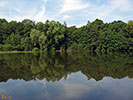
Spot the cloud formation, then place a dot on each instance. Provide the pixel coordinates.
(73, 5)
(66, 17)
(1, 4)
(74, 12)
(41, 14)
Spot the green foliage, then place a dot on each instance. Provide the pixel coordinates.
(34, 35)
(76, 47)
(52, 35)
(54, 67)
(7, 47)
(26, 44)
(35, 49)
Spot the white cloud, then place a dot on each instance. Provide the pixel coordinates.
(72, 5)
(122, 4)
(19, 14)
(109, 11)
(41, 14)
(76, 12)
(19, 11)
(1, 4)
(66, 17)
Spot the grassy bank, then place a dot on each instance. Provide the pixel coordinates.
(3, 52)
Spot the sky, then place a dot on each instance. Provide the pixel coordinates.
(73, 12)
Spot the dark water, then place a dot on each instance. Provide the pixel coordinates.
(71, 76)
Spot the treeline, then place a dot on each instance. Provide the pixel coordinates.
(52, 35)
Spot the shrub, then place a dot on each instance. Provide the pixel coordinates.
(35, 49)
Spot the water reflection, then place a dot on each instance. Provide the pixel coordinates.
(59, 65)
(67, 76)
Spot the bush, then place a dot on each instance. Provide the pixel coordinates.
(35, 49)
(76, 46)
(7, 47)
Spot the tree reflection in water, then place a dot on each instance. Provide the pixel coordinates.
(54, 67)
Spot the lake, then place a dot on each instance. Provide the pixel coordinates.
(66, 76)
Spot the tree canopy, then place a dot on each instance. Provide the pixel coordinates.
(52, 35)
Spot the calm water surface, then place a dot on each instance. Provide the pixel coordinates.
(67, 76)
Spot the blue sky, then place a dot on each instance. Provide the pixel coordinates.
(74, 12)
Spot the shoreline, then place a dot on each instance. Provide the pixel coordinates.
(57, 51)
(6, 52)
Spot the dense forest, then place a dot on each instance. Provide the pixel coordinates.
(55, 66)
(52, 35)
